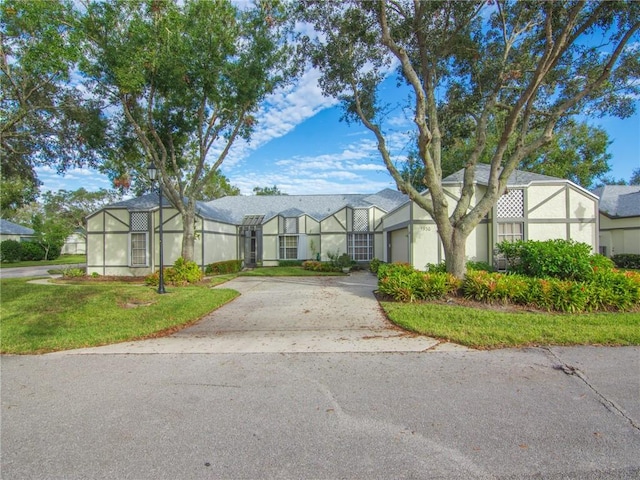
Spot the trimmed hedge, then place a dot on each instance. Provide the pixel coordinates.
(15, 251)
(10, 251)
(221, 268)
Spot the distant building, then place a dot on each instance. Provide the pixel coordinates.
(619, 219)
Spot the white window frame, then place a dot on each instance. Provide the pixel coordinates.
(361, 253)
(131, 249)
(510, 236)
(283, 248)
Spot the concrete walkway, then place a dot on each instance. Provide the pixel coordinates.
(289, 315)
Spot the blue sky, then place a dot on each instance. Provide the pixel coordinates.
(301, 146)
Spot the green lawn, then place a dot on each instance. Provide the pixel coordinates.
(61, 260)
(488, 328)
(46, 318)
(285, 272)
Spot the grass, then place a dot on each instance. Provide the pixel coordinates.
(488, 328)
(285, 272)
(46, 318)
(61, 260)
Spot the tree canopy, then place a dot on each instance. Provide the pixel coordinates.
(186, 79)
(501, 75)
(44, 118)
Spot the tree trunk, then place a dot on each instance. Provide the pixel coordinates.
(455, 252)
(188, 232)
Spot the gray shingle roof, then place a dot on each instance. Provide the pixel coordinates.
(619, 200)
(10, 228)
(233, 209)
(518, 177)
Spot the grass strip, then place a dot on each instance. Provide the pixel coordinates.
(285, 272)
(47, 318)
(61, 260)
(488, 328)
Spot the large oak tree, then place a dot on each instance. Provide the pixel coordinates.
(184, 80)
(515, 70)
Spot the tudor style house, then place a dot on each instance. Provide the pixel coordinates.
(122, 238)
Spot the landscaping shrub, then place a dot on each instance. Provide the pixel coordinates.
(182, 273)
(606, 290)
(317, 266)
(74, 273)
(480, 266)
(403, 283)
(32, 251)
(436, 267)
(221, 268)
(627, 260)
(10, 251)
(290, 263)
(374, 265)
(563, 259)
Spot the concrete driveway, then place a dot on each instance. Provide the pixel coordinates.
(290, 315)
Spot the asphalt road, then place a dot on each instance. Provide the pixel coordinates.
(559, 413)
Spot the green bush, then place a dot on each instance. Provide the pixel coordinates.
(374, 265)
(74, 273)
(563, 259)
(182, 273)
(436, 267)
(32, 251)
(606, 290)
(221, 268)
(480, 266)
(10, 251)
(290, 263)
(405, 284)
(317, 266)
(627, 260)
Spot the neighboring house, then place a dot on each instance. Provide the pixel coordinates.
(619, 219)
(74, 244)
(13, 231)
(122, 238)
(534, 207)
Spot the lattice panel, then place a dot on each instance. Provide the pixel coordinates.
(360, 220)
(139, 221)
(511, 204)
(290, 225)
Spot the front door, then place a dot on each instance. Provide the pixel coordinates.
(252, 247)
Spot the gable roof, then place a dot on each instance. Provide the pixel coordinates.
(10, 228)
(517, 178)
(234, 209)
(619, 200)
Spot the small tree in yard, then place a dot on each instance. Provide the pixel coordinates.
(505, 73)
(50, 233)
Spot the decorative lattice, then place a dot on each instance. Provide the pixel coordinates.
(139, 221)
(360, 220)
(511, 204)
(290, 225)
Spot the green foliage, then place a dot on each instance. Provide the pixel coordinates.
(182, 273)
(627, 260)
(374, 265)
(32, 251)
(563, 259)
(10, 251)
(290, 263)
(75, 273)
(267, 191)
(221, 268)
(317, 266)
(605, 290)
(405, 284)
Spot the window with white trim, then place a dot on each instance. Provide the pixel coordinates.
(510, 232)
(138, 239)
(288, 247)
(360, 246)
